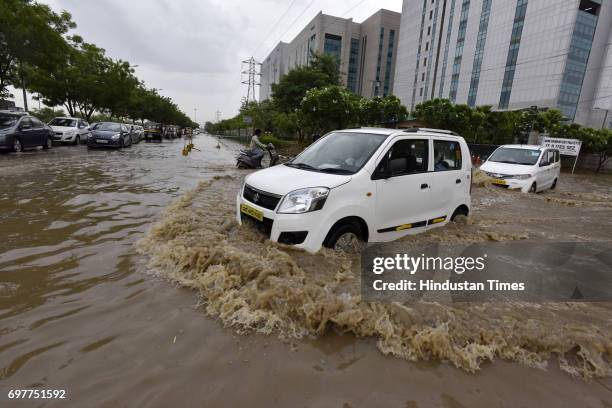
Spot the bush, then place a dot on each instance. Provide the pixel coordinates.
(265, 139)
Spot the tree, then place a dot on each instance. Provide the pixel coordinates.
(381, 111)
(329, 108)
(262, 114)
(47, 114)
(596, 141)
(31, 37)
(79, 85)
(289, 92)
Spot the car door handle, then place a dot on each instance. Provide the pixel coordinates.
(458, 181)
(424, 186)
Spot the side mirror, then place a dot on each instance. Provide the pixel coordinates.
(544, 163)
(25, 127)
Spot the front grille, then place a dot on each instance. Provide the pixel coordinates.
(58, 133)
(499, 176)
(266, 200)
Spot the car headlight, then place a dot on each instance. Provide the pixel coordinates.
(115, 137)
(304, 200)
(522, 176)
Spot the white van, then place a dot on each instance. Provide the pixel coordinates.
(369, 184)
(525, 167)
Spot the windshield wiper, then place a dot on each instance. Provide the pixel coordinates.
(505, 161)
(335, 170)
(302, 166)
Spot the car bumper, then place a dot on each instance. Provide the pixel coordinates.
(514, 184)
(63, 138)
(92, 142)
(307, 229)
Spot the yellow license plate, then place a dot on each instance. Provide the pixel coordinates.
(499, 182)
(248, 210)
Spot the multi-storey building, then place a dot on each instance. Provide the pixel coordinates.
(510, 54)
(365, 51)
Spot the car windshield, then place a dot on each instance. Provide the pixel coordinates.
(510, 155)
(8, 121)
(108, 127)
(63, 122)
(339, 153)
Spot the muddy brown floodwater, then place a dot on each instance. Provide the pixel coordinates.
(125, 281)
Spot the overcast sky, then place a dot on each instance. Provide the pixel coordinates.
(191, 49)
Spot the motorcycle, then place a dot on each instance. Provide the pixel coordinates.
(248, 160)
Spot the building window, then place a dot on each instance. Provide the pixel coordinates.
(513, 50)
(421, 92)
(429, 30)
(379, 61)
(480, 44)
(578, 58)
(465, 8)
(388, 73)
(423, 77)
(449, 31)
(431, 14)
(353, 65)
(333, 46)
(425, 62)
(426, 46)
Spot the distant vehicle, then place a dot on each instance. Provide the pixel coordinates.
(525, 167)
(368, 185)
(110, 134)
(135, 133)
(171, 132)
(153, 132)
(70, 130)
(20, 131)
(140, 131)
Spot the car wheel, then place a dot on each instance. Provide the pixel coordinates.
(77, 141)
(345, 238)
(17, 146)
(49, 144)
(534, 188)
(554, 185)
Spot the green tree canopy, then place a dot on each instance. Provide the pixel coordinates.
(289, 92)
(329, 108)
(31, 35)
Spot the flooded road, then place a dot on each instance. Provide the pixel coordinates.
(85, 236)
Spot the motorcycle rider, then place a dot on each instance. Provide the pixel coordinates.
(256, 147)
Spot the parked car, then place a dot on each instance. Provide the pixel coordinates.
(370, 185)
(20, 131)
(525, 167)
(110, 134)
(70, 130)
(139, 132)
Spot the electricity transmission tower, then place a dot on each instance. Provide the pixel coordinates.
(250, 76)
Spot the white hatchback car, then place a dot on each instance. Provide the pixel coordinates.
(525, 167)
(70, 130)
(372, 185)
